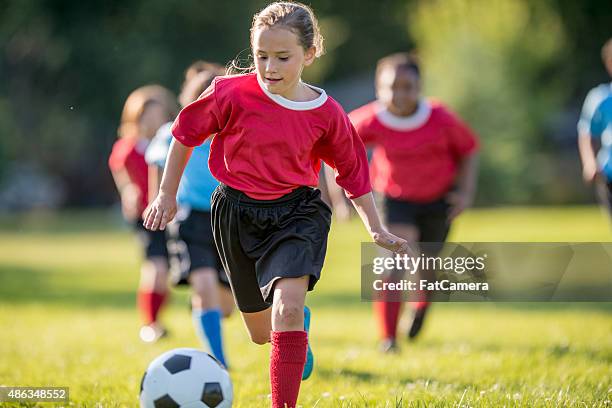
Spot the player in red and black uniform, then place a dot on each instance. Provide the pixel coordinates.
(270, 224)
(145, 110)
(423, 166)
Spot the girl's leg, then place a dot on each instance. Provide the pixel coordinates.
(226, 300)
(434, 228)
(289, 340)
(259, 325)
(388, 312)
(206, 307)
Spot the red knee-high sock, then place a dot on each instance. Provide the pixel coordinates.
(287, 359)
(387, 315)
(419, 305)
(149, 304)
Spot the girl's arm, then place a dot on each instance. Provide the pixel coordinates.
(587, 155)
(163, 209)
(466, 186)
(155, 174)
(341, 208)
(367, 211)
(129, 193)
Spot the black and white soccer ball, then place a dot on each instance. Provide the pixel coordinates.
(185, 378)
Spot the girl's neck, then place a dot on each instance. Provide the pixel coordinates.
(301, 93)
(405, 113)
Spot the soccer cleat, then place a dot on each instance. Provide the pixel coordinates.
(309, 356)
(417, 322)
(151, 333)
(389, 346)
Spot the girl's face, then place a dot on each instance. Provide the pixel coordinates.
(399, 90)
(153, 116)
(279, 60)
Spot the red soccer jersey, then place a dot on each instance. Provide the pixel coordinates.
(266, 145)
(128, 154)
(415, 158)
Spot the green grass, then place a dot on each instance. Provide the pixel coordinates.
(68, 318)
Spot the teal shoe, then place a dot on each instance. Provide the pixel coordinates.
(309, 356)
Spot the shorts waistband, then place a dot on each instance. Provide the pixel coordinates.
(241, 198)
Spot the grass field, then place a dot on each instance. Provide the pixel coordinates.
(68, 318)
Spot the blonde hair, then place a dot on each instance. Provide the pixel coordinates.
(136, 103)
(295, 17)
(194, 87)
(198, 77)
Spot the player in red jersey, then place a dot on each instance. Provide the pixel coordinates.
(270, 225)
(145, 110)
(423, 166)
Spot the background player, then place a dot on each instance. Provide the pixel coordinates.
(191, 236)
(423, 166)
(601, 131)
(145, 110)
(590, 167)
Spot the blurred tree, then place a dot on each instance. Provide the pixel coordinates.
(491, 61)
(67, 66)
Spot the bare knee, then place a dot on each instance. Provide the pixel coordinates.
(289, 316)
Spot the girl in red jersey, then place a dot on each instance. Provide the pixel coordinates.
(270, 226)
(423, 165)
(145, 110)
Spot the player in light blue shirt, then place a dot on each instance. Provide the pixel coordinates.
(191, 245)
(594, 98)
(197, 184)
(594, 128)
(601, 131)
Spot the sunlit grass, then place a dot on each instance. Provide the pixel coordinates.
(68, 318)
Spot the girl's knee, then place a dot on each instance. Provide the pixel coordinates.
(289, 315)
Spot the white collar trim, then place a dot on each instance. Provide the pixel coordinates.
(295, 105)
(414, 121)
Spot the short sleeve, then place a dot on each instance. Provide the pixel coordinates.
(200, 119)
(463, 139)
(342, 149)
(157, 151)
(360, 121)
(119, 154)
(591, 102)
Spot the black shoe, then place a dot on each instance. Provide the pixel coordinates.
(417, 322)
(389, 346)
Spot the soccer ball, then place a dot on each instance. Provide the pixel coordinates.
(185, 378)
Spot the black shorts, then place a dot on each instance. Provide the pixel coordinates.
(430, 218)
(153, 242)
(261, 241)
(192, 247)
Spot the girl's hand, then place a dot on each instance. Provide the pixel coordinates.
(391, 242)
(458, 203)
(160, 212)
